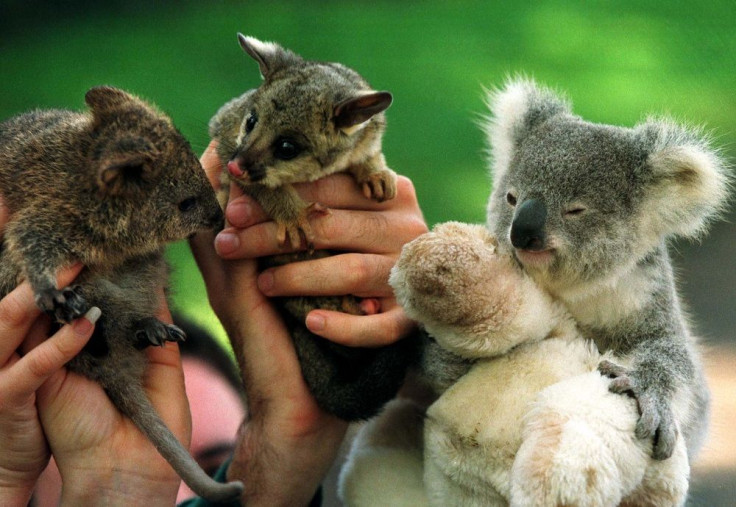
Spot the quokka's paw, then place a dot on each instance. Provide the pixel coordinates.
(656, 420)
(151, 331)
(292, 231)
(64, 305)
(380, 185)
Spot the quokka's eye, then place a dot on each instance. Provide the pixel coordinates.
(286, 149)
(250, 122)
(511, 199)
(188, 204)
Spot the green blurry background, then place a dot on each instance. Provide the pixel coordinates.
(617, 61)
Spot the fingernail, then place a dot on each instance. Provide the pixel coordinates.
(265, 282)
(226, 243)
(84, 325)
(315, 322)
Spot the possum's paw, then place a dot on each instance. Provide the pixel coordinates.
(151, 331)
(64, 305)
(292, 231)
(380, 185)
(656, 420)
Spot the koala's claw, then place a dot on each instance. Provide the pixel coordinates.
(152, 331)
(656, 420)
(64, 305)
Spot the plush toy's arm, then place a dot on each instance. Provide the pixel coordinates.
(475, 301)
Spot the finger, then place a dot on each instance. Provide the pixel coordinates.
(362, 275)
(17, 313)
(3, 215)
(357, 231)
(212, 164)
(243, 211)
(360, 330)
(52, 354)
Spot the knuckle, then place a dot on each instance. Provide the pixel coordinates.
(14, 310)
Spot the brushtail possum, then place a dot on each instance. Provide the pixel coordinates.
(305, 121)
(107, 188)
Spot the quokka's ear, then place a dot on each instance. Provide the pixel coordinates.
(688, 181)
(270, 56)
(515, 110)
(126, 165)
(101, 99)
(351, 114)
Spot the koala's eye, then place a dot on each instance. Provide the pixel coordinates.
(250, 122)
(286, 149)
(511, 199)
(575, 211)
(188, 204)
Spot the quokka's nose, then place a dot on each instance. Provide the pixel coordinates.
(527, 228)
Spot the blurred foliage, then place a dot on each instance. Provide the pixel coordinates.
(618, 61)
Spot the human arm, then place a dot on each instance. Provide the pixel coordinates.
(287, 444)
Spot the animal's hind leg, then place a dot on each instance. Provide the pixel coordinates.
(151, 331)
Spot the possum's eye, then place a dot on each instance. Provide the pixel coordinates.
(250, 122)
(188, 204)
(286, 149)
(511, 199)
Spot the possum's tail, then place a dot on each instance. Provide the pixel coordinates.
(132, 401)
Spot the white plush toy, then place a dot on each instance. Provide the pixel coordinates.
(528, 412)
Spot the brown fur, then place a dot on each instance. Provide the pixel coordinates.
(107, 188)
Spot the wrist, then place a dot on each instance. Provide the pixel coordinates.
(111, 486)
(16, 495)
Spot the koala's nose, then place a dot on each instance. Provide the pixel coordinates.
(527, 228)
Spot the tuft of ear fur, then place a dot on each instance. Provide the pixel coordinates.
(689, 181)
(102, 99)
(516, 109)
(270, 56)
(125, 165)
(351, 114)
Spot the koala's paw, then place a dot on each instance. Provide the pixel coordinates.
(656, 420)
(151, 331)
(380, 185)
(64, 305)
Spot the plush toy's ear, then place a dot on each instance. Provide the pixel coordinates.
(515, 110)
(687, 180)
(269, 55)
(125, 165)
(351, 114)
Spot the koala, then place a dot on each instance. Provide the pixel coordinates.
(587, 210)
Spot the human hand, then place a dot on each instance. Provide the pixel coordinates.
(102, 457)
(287, 436)
(25, 452)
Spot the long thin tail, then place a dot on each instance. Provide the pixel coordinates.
(132, 401)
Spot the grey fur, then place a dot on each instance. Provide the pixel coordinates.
(107, 188)
(337, 121)
(612, 197)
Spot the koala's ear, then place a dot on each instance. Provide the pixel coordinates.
(515, 110)
(125, 166)
(351, 114)
(269, 55)
(101, 99)
(689, 180)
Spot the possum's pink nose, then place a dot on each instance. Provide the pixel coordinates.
(234, 169)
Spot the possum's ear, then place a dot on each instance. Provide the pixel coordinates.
(269, 55)
(105, 98)
(687, 180)
(351, 114)
(126, 165)
(515, 110)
